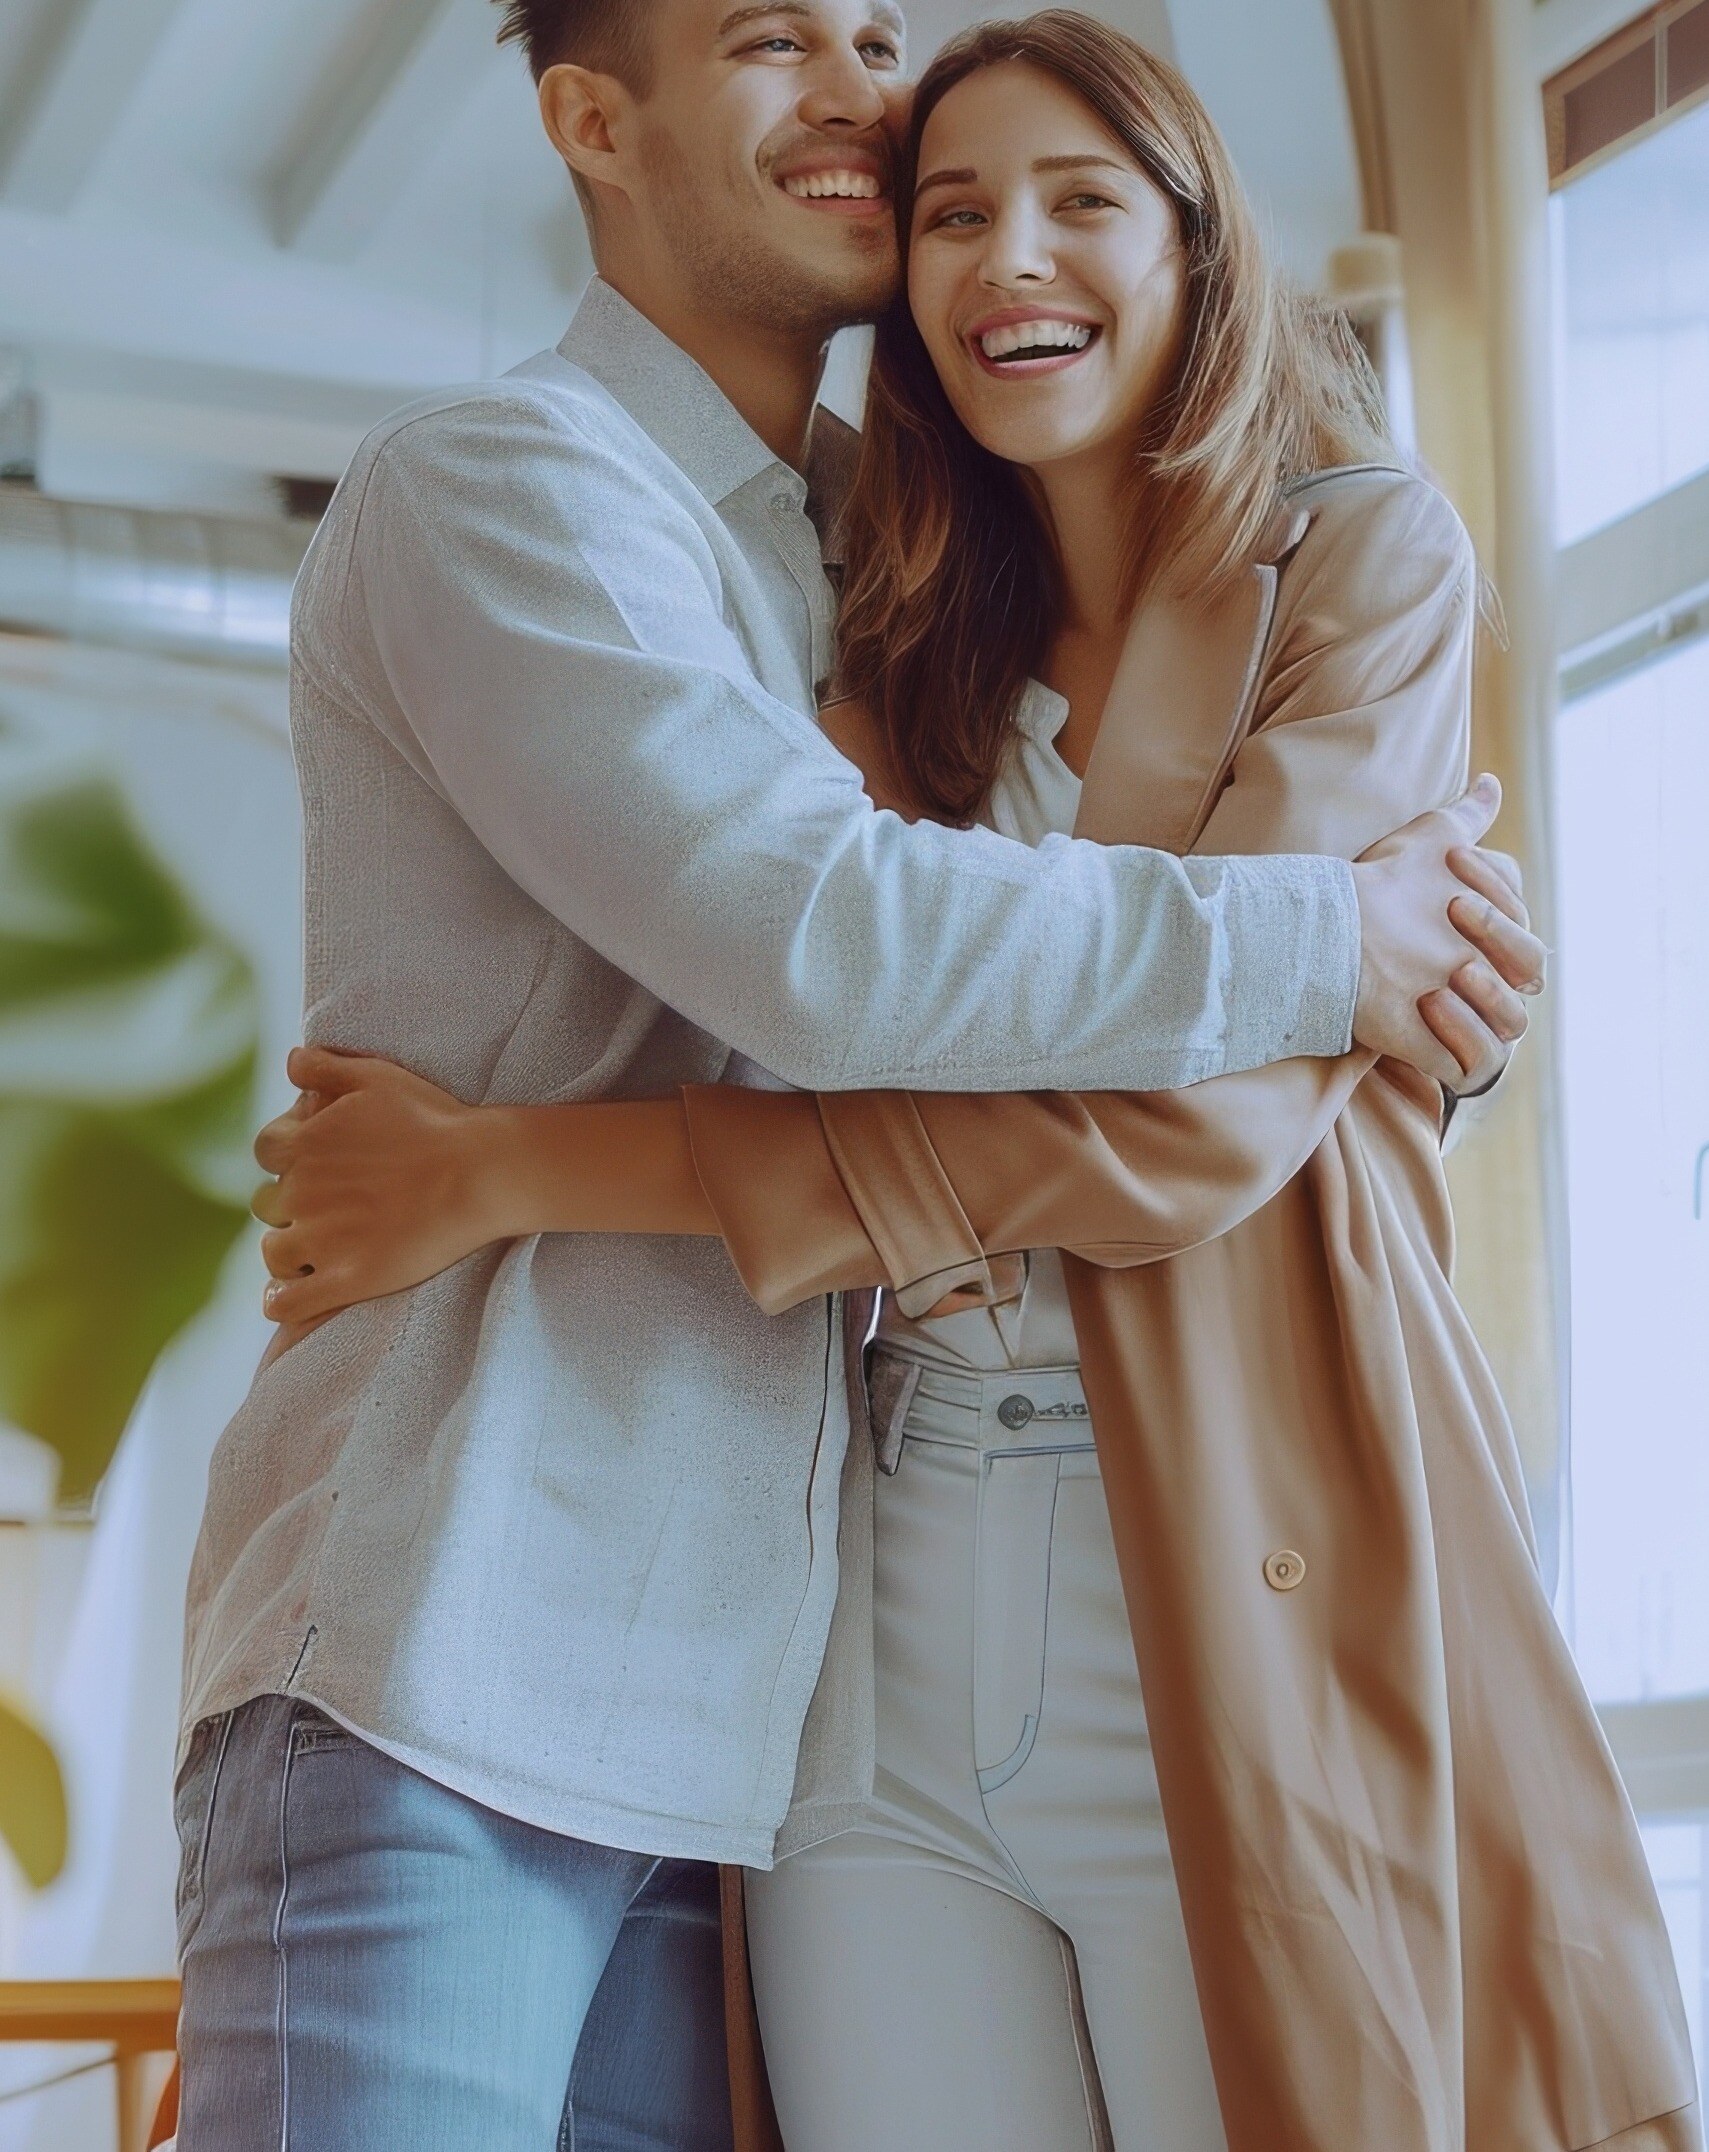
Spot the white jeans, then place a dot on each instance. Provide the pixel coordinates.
(995, 1961)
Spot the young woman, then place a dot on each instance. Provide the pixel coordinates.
(1273, 1817)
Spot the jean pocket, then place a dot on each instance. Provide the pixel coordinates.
(312, 1731)
(193, 1799)
(1017, 1509)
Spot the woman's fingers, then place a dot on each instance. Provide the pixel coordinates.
(274, 1147)
(298, 1301)
(331, 1074)
(1516, 954)
(269, 1205)
(286, 1253)
(1495, 875)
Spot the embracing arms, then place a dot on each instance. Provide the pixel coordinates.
(1364, 721)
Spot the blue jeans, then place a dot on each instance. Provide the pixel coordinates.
(373, 1963)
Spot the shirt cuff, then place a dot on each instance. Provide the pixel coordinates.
(1294, 949)
(907, 1204)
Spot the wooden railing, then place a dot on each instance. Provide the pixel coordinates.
(136, 2019)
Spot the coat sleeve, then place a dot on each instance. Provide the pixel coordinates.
(1362, 723)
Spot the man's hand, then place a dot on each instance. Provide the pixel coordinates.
(1447, 949)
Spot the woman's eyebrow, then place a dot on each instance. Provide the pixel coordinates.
(1078, 163)
(963, 176)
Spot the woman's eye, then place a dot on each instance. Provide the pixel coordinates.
(1088, 201)
(957, 220)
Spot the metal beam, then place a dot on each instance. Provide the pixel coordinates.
(373, 135)
(1635, 589)
(101, 53)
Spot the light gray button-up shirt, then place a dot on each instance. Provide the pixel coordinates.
(558, 1528)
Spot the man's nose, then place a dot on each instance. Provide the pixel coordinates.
(844, 94)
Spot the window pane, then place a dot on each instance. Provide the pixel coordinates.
(1631, 283)
(1633, 778)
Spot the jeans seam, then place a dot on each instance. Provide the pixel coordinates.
(282, 2015)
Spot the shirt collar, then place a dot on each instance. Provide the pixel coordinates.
(667, 394)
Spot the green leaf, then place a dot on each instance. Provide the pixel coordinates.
(32, 1799)
(127, 1066)
(106, 1251)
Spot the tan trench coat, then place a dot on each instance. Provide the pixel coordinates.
(1420, 1916)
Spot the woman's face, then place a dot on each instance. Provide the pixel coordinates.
(1044, 270)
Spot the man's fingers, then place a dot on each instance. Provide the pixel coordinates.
(1477, 1053)
(1495, 876)
(1475, 809)
(1520, 958)
(1494, 1000)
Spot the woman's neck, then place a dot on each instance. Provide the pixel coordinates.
(1086, 506)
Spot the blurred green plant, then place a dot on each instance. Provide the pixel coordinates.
(128, 1039)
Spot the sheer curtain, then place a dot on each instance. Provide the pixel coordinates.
(1449, 127)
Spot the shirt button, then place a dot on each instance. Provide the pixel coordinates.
(1284, 1569)
(1016, 1411)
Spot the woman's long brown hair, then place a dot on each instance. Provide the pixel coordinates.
(951, 588)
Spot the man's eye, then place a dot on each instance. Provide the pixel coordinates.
(881, 52)
(778, 44)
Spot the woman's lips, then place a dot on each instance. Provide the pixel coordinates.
(1028, 364)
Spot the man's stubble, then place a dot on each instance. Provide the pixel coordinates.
(730, 273)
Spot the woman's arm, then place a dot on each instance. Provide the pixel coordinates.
(384, 1180)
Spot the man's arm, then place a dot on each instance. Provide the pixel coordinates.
(556, 663)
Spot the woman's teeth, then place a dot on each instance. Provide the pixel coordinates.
(1034, 336)
(858, 186)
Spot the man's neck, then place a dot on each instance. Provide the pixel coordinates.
(772, 379)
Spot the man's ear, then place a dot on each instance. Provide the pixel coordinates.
(584, 114)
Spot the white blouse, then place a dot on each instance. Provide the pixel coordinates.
(1036, 795)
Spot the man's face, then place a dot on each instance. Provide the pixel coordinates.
(766, 157)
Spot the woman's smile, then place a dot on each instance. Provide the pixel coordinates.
(1020, 343)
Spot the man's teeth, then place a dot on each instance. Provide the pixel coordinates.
(858, 186)
(1035, 336)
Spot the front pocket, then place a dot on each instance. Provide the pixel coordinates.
(193, 1812)
(312, 1731)
(1017, 1511)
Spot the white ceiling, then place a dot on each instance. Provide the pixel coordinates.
(233, 233)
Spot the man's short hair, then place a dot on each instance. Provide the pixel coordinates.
(610, 36)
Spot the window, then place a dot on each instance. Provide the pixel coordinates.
(1629, 146)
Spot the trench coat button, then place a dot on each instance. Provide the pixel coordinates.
(1284, 1569)
(1016, 1411)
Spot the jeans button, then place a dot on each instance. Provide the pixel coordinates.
(1016, 1411)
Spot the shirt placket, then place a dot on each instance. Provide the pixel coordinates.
(798, 546)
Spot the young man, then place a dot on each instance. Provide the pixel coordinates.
(512, 1592)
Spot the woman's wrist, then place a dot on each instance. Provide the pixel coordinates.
(498, 1174)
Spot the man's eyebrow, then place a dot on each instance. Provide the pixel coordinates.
(738, 16)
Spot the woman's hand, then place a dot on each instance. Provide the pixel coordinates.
(379, 1185)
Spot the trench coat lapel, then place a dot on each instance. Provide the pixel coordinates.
(1180, 705)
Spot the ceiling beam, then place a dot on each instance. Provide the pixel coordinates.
(100, 55)
(371, 137)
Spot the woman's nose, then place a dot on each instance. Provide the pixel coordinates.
(1017, 252)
